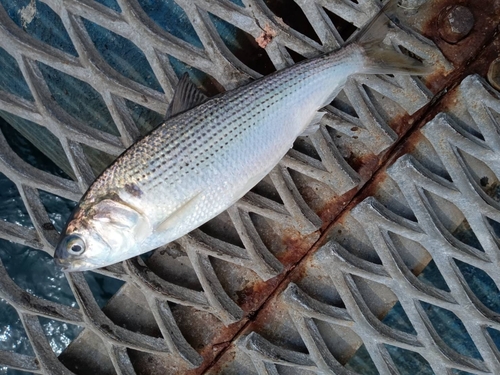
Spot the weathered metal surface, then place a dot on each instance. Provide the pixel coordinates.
(336, 299)
(183, 306)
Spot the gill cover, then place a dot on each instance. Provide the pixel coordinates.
(123, 218)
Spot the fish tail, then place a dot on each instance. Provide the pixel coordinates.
(380, 58)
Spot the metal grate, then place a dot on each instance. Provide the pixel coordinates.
(438, 202)
(191, 297)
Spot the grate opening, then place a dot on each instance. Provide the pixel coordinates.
(362, 363)
(408, 362)
(68, 92)
(36, 145)
(12, 208)
(145, 119)
(482, 285)
(202, 80)
(243, 46)
(48, 28)
(11, 77)
(122, 55)
(451, 329)
(291, 14)
(343, 27)
(13, 337)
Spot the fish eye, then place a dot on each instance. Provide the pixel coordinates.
(75, 245)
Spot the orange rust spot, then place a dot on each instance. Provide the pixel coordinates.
(332, 209)
(266, 36)
(485, 17)
(252, 296)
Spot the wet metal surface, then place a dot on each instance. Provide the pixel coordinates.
(250, 292)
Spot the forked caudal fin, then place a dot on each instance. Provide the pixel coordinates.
(381, 58)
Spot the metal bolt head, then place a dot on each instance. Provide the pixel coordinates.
(494, 73)
(455, 23)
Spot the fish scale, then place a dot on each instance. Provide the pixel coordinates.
(203, 159)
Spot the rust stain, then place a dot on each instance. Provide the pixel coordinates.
(485, 22)
(258, 300)
(266, 37)
(333, 208)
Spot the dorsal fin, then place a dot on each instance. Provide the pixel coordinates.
(186, 96)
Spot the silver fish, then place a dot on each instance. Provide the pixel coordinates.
(206, 156)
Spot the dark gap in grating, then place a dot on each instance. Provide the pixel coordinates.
(98, 160)
(296, 57)
(45, 26)
(59, 334)
(481, 284)
(362, 363)
(112, 4)
(414, 256)
(122, 55)
(432, 276)
(341, 102)
(58, 208)
(11, 77)
(222, 228)
(144, 118)
(304, 147)
(495, 336)
(266, 189)
(465, 126)
(206, 83)
(102, 287)
(238, 2)
(267, 233)
(408, 362)
(291, 14)
(465, 234)
(12, 331)
(477, 170)
(243, 46)
(172, 264)
(12, 208)
(396, 318)
(451, 330)
(441, 208)
(171, 18)
(132, 312)
(459, 372)
(87, 345)
(410, 54)
(344, 28)
(78, 99)
(36, 272)
(495, 191)
(11, 371)
(36, 145)
(495, 228)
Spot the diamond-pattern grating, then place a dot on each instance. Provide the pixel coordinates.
(184, 305)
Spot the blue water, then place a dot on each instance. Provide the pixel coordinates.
(449, 327)
(34, 270)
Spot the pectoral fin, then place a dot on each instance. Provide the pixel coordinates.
(178, 215)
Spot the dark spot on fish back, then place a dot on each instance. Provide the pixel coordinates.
(133, 190)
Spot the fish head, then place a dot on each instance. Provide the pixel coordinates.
(100, 235)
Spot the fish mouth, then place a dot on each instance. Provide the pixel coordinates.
(71, 266)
